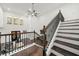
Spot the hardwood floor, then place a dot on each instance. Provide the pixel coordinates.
(32, 51)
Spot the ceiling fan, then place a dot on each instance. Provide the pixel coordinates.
(32, 11)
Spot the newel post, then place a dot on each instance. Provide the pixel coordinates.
(60, 15)
(43, 32)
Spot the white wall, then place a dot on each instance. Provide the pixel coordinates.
(69, 11)
(1, 17)
(7, 28)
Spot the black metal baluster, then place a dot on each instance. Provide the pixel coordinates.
(15, 45)
(34, 36)
(12, 43)
(24, 40)
(0, 45)
(5, 45)
(9, 44)
(20, 41)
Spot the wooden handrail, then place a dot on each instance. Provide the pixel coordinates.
(37, 33)
(20, 33)
(50, 22)
(58, 16)
(17, 33)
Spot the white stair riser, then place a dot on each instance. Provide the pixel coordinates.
(68, 35)
(68, 41)
(56, 53)
(70, 21)
(69, 31)
(70, 27)
(69, 24)
(67, 48)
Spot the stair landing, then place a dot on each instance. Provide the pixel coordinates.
(32, 51)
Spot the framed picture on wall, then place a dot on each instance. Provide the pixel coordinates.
(9, 20)
(15, 21)
(21, 21)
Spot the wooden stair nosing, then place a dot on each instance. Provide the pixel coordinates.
(75, 51)
(63, 23)
(69, 33)
(76, 39)
(68, 44)
(68, 41)
(62, 51)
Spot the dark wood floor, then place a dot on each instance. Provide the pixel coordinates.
(32, 51)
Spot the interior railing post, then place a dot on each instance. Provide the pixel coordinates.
(20, 41)
(24, 40)
(15, 41)
(15, 46)
(9, 44)
(0, 45)
(5, 45)
(12, 43)
(34, 35)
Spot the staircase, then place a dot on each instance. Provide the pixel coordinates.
(67, 39)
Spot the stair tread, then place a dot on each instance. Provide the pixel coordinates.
(69, 31)
(76, 33)
(75, 51)
(62, 51)
(69, 27)
(68, 44)
(56, 53)
(68, 35)
(74, 20)
(64, 23)
(76, 39)
(68, 41)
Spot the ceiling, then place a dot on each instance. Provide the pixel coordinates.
(23, 7)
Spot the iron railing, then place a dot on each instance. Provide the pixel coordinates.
(7, 45)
